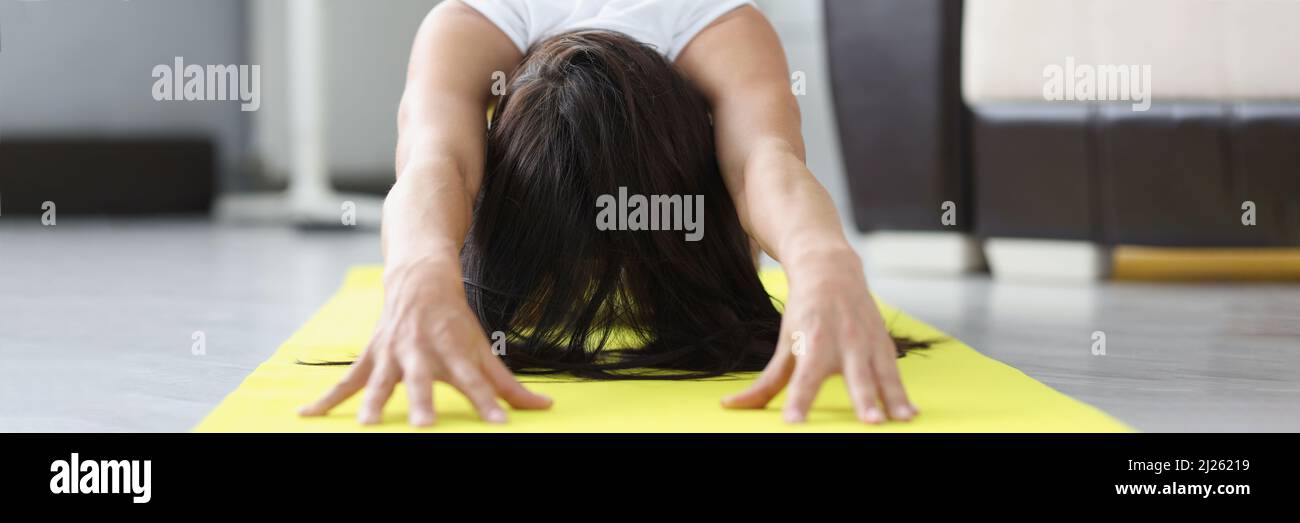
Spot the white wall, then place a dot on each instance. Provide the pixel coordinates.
(84, 68)
(367, 45)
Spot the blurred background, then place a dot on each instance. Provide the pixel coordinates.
(1022, 225)
(73, 71)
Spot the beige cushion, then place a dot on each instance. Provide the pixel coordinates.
(1197, 49)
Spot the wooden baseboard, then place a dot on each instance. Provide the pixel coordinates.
(1230, 264)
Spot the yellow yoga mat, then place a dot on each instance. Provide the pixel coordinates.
(956, 389)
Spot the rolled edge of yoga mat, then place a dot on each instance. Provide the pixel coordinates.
(1202, 264)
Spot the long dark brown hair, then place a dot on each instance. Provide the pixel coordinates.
(589, 113)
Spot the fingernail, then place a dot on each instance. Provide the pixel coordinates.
(914, 410)
(793, 416)
(902, 413)
(367, 418)
(496, 416)
(874, 416)
(421, 419)
(304, 410)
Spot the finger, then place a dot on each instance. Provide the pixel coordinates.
(504, 383)
(884, 364)
(419, 390)
(804, 386)
(467, 377)
(862, 389)
(352, 382)
(769, 383)
(378, 389)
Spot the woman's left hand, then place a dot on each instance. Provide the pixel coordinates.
(831, 326)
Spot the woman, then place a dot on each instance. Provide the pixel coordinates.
(501, 228)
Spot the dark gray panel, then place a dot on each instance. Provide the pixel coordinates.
(1165, 178)
(1265, 155)
(1176, 175)
(1033, 170)
(895, 76)
(106, 176)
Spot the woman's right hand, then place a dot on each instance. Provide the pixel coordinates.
(427, 332)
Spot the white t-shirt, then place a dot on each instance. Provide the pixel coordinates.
(666, 25)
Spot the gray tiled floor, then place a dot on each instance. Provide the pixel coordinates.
(1179, 357)
(96, 320)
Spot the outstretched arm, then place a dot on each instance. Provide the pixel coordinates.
(739, 65)
(426, 331)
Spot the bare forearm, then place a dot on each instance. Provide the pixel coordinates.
(787, 210)
(740, 67)
(441, 126)
(426, 215)
(779, 201)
